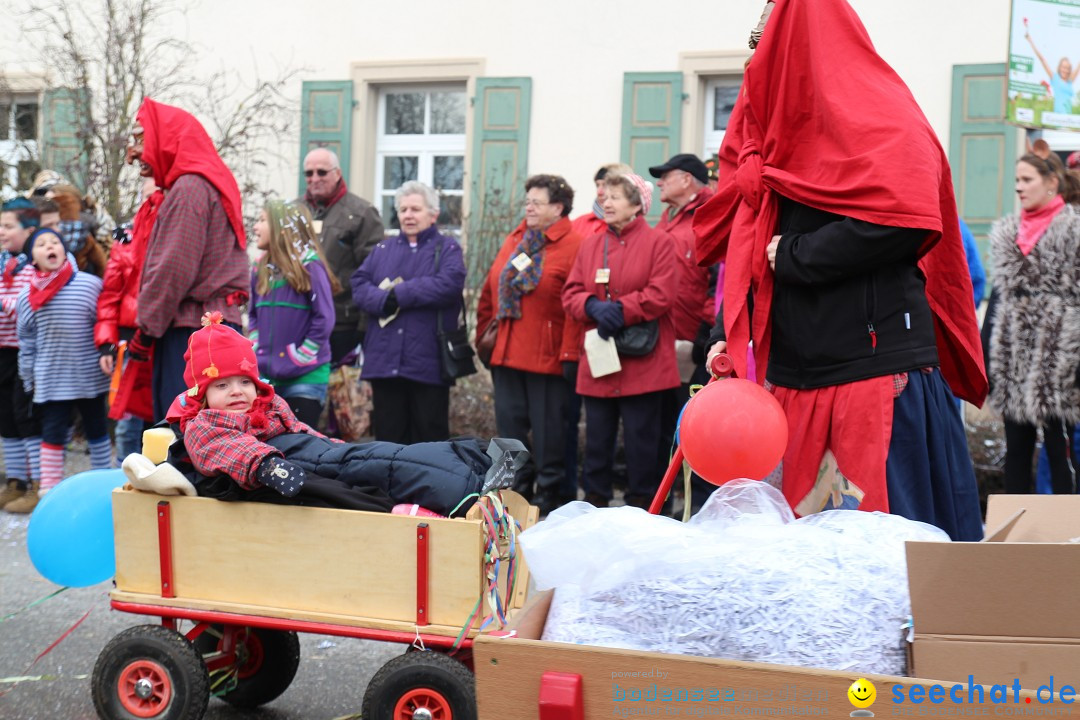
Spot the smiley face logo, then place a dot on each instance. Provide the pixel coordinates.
(862, 693)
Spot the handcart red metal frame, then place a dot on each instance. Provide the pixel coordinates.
(248, 659)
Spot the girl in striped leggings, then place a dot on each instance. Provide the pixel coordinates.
(58, 363)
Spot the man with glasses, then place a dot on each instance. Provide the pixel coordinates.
(348, 227)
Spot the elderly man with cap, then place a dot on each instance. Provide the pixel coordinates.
(683, 182)
(348, 227)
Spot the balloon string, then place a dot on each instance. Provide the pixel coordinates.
(49, 649)
(53, 594)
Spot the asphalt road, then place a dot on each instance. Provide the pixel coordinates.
(329, 685)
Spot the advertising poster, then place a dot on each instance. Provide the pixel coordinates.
(1044, 64)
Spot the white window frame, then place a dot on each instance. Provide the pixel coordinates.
(424, 147)
(712, 139)
(13, 151)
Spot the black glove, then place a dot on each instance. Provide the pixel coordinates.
(280, 474)
(609, 318)
(569, 372)
(390, 305)
(107, 349)
(140, 347)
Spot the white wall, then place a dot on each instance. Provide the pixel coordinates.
(576, 52)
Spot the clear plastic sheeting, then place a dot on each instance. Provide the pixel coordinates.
(743, 580)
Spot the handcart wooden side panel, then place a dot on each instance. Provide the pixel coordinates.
(341, 567)
(521, 676)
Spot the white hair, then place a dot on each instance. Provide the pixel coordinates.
(335, 162)
(415, 187)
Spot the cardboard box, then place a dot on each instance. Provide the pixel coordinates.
(342, 567)
(1005, 608)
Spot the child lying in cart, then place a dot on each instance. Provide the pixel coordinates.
(242, 442)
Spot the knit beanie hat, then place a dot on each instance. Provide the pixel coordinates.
(216, 350)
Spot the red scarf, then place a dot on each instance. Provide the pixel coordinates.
(338, 194)
(1034, 223)
(823, 120)
(45, 285)
(141, 228)
(176, 144)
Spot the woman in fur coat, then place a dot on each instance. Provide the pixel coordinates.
(1035, 338)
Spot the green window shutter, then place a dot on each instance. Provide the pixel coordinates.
(651, 124)
(61, 148)
(500, 154)
(982, 148)
(326, 121)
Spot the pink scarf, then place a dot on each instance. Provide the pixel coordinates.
(1034, 223)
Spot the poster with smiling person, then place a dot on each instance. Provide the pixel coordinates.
(1044, 64)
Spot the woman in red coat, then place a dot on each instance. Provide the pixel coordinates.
(535, 340)
(625, 276)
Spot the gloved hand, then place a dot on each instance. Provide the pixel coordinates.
(107, 358)
(140, 347)
(280, 474)
(390, 305)
(569, 372)
(608, 316)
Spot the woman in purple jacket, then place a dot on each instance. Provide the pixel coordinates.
(292, 311)
(404, 283)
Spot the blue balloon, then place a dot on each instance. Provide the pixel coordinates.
(678, 423)
(70, 536)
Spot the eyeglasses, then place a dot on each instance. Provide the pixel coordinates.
(321, 172)
(536, 203)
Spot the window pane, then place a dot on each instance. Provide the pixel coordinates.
(26, 121)
(449, 172)
(447, 113)
(449, 211)
(5, 122)
(26, 170)
(398, 170)
(389, 213)
(723, 103)
(405, 114)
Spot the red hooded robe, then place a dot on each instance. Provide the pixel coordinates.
(822, 120)
(176, 144)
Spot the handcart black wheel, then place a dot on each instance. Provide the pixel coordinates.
(150, 671)
(266, 663)
(421, 686)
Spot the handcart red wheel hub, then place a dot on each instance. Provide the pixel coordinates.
(144, 688)
(423, 704)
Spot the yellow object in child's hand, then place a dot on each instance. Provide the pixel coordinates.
(156, 442)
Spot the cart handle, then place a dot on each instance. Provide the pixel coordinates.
(720, 367)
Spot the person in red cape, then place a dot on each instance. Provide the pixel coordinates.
(195, 260)
(133, 403)
(845, 269)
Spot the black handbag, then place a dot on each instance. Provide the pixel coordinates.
(637, 340)
(634, 340)
(455, 352)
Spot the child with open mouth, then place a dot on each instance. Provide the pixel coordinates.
(58, 362)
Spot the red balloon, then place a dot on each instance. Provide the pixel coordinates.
(732, 429)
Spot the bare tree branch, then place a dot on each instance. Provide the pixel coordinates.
(113, 53)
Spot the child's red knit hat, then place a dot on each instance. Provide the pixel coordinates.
(215, 350)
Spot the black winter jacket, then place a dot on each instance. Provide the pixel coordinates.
(849, 301)
(351, 227)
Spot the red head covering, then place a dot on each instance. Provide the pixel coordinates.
(175, 144)
(214, 351)
(823, 120)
